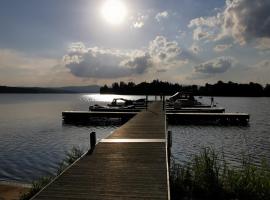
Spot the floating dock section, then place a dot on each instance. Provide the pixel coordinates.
(208, 118)
(132, 163)
(174, 117)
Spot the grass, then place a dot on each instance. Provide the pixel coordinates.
(70, 158)
(36, 187)
(207, 176)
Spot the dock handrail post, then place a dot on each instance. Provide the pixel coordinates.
(92, 142)
(169, 145)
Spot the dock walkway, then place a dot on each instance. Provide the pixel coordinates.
(131, 163)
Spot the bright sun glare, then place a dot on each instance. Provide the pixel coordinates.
(114, 11)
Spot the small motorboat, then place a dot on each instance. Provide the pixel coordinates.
(181, 99)
(121, 102)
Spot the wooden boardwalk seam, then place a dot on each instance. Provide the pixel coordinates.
(131, 163)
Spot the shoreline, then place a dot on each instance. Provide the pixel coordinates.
(12, 190)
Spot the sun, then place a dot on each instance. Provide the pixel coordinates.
(114, 11)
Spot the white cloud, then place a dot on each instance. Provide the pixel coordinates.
(162, 15)
(98, 62)
(209, 21)
(139, 20)
(215, 66)
(166, 54)
(139, 24)
(222, 47)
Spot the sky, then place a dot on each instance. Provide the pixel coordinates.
(83, 42)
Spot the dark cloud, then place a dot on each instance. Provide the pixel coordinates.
(139, 64)
(244, 20)
(247, 19)
(83, 62)
(215, 66)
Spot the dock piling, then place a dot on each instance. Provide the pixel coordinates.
(163, 102)
(92, 141)
(169, 145)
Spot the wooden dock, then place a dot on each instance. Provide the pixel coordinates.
(131, 163)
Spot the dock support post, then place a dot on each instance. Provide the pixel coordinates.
(92, 142)
(146, 101)
(169, 145)
(163, 99)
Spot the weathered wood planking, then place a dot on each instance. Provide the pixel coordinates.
(120, 170)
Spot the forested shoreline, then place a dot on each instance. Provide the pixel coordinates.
(157, 87)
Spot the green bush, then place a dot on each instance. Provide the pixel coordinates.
(208, 176)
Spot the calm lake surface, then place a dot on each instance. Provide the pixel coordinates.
(33, 139)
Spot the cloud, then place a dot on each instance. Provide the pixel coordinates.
(222, 47)
(209, 21)
(243, 20)
(199, 34)
(138, 63)
(263, 64)
(263, 44)
(95, 62)
(216, 66)
(18, 69)
(162, 15)
(102, 63)
(166, 54)
(138, 24)
(195, 49)
(139, 20)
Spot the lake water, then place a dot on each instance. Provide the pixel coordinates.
(33, 140)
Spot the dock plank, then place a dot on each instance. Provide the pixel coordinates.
(120, 170)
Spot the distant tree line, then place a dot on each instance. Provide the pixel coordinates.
(157, 87)
(34, 90)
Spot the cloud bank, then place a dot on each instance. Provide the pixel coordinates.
(96, 62)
